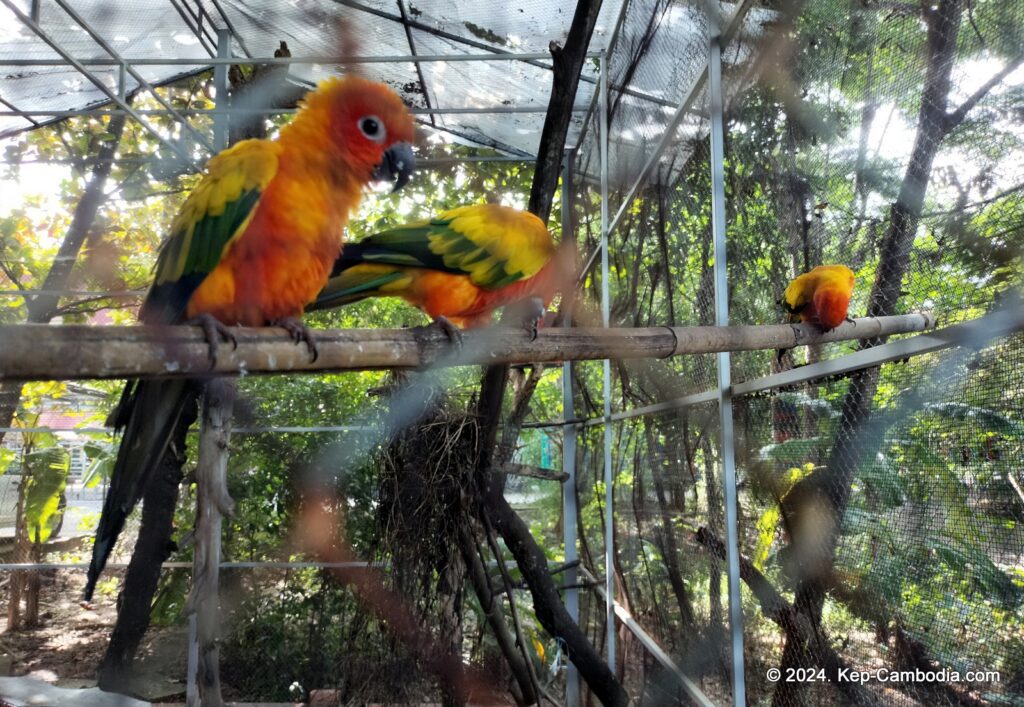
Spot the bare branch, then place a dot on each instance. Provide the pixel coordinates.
(956, 117)
(11, 276)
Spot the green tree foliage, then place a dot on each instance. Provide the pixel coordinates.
(46, 471)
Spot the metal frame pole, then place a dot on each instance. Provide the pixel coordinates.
(572, 594)
(728, 439)
(669, 134)
(609, 496)
(220, 141)
(222, 104)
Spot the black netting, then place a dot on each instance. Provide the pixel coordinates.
(880, 505)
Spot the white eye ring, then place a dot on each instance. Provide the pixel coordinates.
(372, 128)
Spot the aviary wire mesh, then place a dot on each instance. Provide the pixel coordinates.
(823, 134)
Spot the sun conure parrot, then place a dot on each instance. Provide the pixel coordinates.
(252, 245)
(821, 297)
(457, 267)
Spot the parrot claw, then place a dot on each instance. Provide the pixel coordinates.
(851, 320)
(442, 323)
(298, 332)
(453, 333)
(534, 316)
(530, 313)
(214, 331)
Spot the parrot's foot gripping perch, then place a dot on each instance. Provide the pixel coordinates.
(533, 315)
(298, 332)
(528, 313)
(214, 331)
(451, 331)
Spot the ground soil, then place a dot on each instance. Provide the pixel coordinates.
(68, 644)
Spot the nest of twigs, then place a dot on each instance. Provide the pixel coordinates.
(425, 495)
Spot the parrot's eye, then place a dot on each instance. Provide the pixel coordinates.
(372, 127)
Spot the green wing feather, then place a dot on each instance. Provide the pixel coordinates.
(211, 219)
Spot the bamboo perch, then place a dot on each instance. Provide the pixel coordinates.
(41, 352)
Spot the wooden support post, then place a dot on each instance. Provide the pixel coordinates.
(212, 503)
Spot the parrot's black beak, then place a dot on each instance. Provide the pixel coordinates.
(397, 166)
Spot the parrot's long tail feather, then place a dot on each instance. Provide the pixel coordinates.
(148, 412)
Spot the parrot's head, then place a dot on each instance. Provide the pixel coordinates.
(369, 128)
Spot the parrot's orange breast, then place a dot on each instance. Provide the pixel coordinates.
(284, 256)
(821, 296)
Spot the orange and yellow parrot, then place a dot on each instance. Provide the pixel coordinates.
(457, 267)
(253, 245)
(821, 297)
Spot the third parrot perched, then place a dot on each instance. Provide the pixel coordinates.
(457, 267)
(821, 296)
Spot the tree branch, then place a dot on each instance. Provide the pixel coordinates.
(797, 627)
(11, 276)
(567, 64)
(956, 117)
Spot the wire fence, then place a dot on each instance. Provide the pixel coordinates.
(883, 505)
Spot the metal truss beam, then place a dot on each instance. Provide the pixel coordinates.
(288, 60)
(231, 28)
(421, 164)
(468, 110)
(412, 48)
(194, 22)
(96, 37)
(55, 45)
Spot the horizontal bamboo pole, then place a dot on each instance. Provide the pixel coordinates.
(43, 352)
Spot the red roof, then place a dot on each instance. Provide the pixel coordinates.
(59, 420)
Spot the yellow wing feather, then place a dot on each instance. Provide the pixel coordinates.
(517, 241)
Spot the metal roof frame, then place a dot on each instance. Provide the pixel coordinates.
(81, 68)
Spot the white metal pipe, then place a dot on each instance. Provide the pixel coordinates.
(222, 105)
(727, 439)
(284, 429)
(609, 480)
(289, 60)
(569, 511)
(85, 112)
